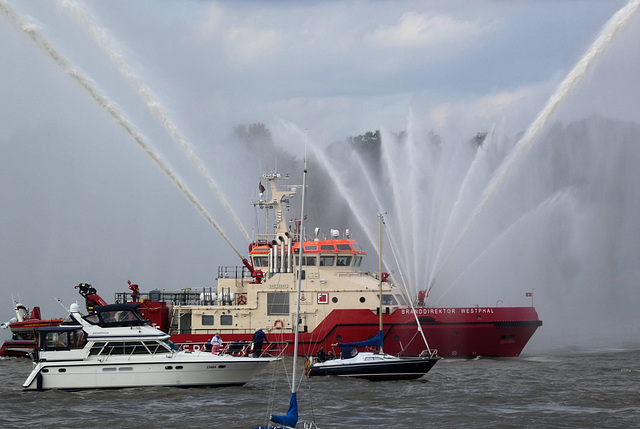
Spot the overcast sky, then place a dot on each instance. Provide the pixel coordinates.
(80, 199)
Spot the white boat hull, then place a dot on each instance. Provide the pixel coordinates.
(179, 370)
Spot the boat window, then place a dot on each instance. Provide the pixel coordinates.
(357, 261)
(401, 300)
(155, 347)
(277, 303)
(311, 248)
(57, 340)
(327, 261)
(96, 348)
(343, 261)
(307, 260)
(260, 261)
(93, 319)
(388, 299)
(207, 319)
(226, 320)
(77, 339)
(327, 247)
(344, 247)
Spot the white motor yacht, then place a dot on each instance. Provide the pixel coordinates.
(116, 348)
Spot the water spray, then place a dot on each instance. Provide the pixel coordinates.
(102, 38)
(30, 30)
(611, 28)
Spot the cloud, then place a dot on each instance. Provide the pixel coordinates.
(418, 30)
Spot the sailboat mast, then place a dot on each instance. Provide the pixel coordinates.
(297, 324)
(380, 269)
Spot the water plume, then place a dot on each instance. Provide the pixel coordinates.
(155, 106)
(31, 30)
(611, 28)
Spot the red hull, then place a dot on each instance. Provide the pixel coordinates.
(454, 332)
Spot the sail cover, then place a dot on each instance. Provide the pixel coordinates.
(291, 418)
(371, 342)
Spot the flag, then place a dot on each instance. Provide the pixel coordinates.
(529, 294)
(261, 188)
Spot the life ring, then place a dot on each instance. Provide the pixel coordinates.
(242, 300)
(278, 324)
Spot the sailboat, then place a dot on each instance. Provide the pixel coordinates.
(290, 420)
(374, 366)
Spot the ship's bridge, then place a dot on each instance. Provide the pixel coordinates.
(324, 253)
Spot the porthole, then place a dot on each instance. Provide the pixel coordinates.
(334, 299)
(362, 299)
(62, 370)
(179, 366)
(397, 338)
(168, 367)
(339, 338)
(45, 370)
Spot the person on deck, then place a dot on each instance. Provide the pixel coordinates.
(322, 356)
(258, 338)
(216, 344)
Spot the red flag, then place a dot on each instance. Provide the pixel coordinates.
(261, 188)
(529, 293)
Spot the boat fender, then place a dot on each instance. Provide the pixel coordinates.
(278, 324)
(39, 381)
(307, 365)
(242, 300)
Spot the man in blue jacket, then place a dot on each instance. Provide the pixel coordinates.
(258, 338)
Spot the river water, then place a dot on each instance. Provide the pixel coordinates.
(561, 389)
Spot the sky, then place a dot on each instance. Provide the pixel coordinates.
(101, 98)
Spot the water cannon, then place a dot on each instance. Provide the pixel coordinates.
(256, 274)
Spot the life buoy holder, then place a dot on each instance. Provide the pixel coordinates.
(242, 300)
(278, 324)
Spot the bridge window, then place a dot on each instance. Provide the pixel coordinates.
(344, 261)
(327, 261)
(226, 320)
(329, 247)
(357, 261)
(207, 319)
(260, 261)
(344, 247)
(307, 260)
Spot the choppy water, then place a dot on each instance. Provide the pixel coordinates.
(567, 388)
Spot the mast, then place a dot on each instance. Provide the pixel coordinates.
(297, 324)
(380, 270)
